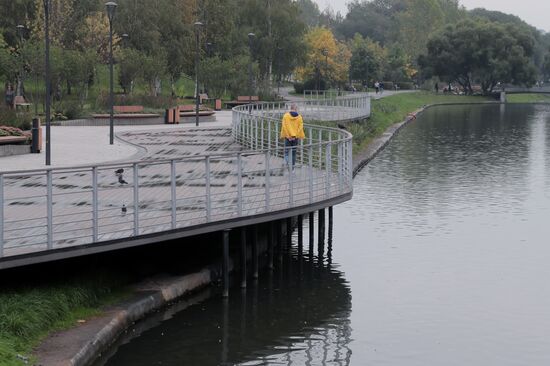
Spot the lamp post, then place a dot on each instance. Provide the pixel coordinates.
(198, 26)
(111, 9)
(280, 52)
(251, 37)
(324, 51)
(47, 80)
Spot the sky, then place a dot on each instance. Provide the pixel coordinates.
(534, 12)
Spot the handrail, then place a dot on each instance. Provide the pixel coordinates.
(54, 208)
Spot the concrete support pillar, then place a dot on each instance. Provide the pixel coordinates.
(321, 238)
(311, 232)
(225, 263)
(289, 233)
(244, 254)
(270, 243)
(255, 258)
(300, 235)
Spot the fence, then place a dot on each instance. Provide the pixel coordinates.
(50, 209)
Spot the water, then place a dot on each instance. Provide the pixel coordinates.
(442, 258)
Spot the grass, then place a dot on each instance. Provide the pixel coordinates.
(28, 315)
(528, 98)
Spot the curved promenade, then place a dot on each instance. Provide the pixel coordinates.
(191, 182)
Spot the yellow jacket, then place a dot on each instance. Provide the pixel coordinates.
(292, 126)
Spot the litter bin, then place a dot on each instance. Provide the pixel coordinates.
(36, 136)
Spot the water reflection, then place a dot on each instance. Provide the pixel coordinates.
(298, 314)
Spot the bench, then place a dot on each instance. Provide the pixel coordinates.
(242, 100)
(128, 108)
(19, 101)
(189, 110)
(12, 140)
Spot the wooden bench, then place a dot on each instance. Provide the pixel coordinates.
(128, 108)
(242, 100)
(13, 140)
(188, 110)
(19, 101)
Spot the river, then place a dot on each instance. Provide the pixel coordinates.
(441, 258)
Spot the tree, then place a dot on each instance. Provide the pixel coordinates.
(130, 63)
(326, 57)
(420, 19)
(481, 52)
(309, 12)
(367, 60)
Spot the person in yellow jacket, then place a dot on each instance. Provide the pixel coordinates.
(292, 131)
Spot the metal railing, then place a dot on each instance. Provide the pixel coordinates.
(348, 108)
(47, 209)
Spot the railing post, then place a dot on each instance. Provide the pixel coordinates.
(290, 180)
(1, 215)
(49, 208)
(320, 149)
(208, 195)
(262, 134)
(136, 200)
(310, 153)
(340, 167)
(269, 135)
(95, 205)
(277, 139)
(240, 184)
(328, 169)
(173, 193)
(267, 181)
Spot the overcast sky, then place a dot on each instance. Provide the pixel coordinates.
(534, 12)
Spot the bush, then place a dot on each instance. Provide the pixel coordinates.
(311, 84)
(388, 85)
(8, 117)
(11, 131)
(405, 85)
(152, 102)
(299, 88)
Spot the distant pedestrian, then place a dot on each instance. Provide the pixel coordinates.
(381, 88)
(9, 95)
(377, 87)
(292, 131)
(436, 88)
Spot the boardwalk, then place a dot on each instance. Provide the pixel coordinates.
(187, 178)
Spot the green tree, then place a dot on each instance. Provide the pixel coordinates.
(367, 60)
(482, 52)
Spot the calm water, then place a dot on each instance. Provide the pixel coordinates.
(442, 258)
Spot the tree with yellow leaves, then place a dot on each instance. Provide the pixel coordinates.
(327, 59)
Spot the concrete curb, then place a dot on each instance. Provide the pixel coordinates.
(124, 318)
(149, 296)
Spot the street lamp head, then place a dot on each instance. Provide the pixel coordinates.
(251, 36)
(198, 25)
(111, 9)
(324, 51)
(125, 35)
(21, 30)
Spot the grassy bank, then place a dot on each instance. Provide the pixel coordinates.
(528, 98)
(28, 314)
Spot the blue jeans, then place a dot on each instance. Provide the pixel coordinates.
(290, 149)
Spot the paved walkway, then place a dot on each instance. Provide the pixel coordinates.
(75, 146)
